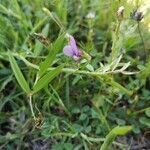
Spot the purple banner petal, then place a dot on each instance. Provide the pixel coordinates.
(68, 50)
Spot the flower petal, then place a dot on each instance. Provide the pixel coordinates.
(76, 57)
(72, 43)
(68, 51)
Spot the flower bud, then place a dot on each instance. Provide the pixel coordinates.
(120, 11)
(90, 15)
(137, 15)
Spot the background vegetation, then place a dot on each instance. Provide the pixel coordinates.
(51, 101)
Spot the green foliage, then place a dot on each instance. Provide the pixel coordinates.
(18, 74)
(51, 101)
(112, 135)
(43, 81)
(55, 48)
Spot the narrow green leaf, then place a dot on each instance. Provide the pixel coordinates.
(147, 112)
(6, 11)
(109, 80)
(18, 74)
(120, 87)
(42, 82)
(112, 135)
(55, 48)
(121, 130)
(145, 121)
(39, 46)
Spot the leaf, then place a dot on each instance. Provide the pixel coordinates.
(107, 79)
(89, 67)
(51, 56)
(145, 121)
(121, 130)
(42, 82)
(147, 112)
(83, 116)
(6, 11)
(112, 135)
(39, 46)
(116, 62)
(126, 65)
(18, 74)
(62, 146)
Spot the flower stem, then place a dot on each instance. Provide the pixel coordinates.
(114, 52)
(142, 40)
(31, 106)
(102, 75)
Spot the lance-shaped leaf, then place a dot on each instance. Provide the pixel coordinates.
(55, 48)
(18, 74)
(42, 82)
(117, 131)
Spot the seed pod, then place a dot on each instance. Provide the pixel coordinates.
(137, 15)
(120, 11)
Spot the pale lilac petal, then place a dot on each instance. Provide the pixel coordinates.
(72, 50)
(72, 43)
(68, 51)
(76, 57)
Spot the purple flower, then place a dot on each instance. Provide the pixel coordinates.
(71, 49)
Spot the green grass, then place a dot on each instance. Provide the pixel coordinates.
(51, 101)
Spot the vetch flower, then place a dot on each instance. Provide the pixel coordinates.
(71, 49)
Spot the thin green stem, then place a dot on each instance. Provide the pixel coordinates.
(91, 139)
(60, 101)
(142, 40)
(102, 118)
(31, 106)
(66, 70)
(56, 20)
(9, 12)
(117, 131)
(67, 91)
(101, 75)
(41, 22)
(140, 111)
(113, 55)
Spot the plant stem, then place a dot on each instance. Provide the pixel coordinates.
(113, 49)
(140, 111)
(31, 106)
(142, 40)
(39, 24)
(101, 75)
(66, 70)
(117, 131)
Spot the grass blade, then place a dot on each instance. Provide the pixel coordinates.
(18, 74)
(52, 55)
(42, 82)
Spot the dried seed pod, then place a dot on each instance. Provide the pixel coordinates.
(137, 15)
(120, 11)
(41, 38)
